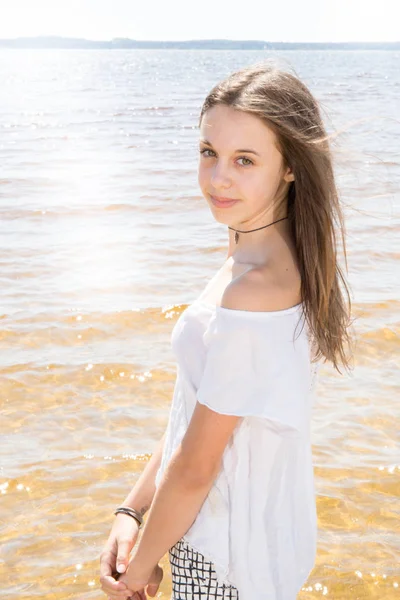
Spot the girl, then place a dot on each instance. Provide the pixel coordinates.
(231, 489)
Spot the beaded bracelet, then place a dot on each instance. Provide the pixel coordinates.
(127, 510)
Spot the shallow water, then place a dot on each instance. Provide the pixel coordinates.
(104, 240)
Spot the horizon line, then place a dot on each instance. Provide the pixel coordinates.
(125, 39)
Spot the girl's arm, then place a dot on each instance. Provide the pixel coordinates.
(183, 488)
(124, 534)
(142, 494)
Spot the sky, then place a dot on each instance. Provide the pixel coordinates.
(267, 20)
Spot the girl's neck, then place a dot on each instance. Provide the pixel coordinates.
(259, 247)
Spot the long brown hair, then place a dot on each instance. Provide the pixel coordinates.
(315, 216)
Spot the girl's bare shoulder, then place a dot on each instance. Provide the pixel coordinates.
(262, 289)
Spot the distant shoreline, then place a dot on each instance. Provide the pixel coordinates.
(56, 42)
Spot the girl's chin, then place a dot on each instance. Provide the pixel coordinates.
(229, 222)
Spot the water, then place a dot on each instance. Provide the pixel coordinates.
(105, 238)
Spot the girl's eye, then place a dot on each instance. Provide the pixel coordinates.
(205, 150)
(249, 162)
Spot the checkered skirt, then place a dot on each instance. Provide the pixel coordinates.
(194, 577)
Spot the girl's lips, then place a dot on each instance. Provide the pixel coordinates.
(222, 203)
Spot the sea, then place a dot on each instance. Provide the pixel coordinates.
(105, 238)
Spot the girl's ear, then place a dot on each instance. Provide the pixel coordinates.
(288, 175)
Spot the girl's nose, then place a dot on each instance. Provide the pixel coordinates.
(220, 177)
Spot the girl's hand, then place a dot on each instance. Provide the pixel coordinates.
(139, 584)
(115, 556)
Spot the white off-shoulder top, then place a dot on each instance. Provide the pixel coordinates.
(258, 524)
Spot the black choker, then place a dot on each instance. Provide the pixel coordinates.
(237, 231)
